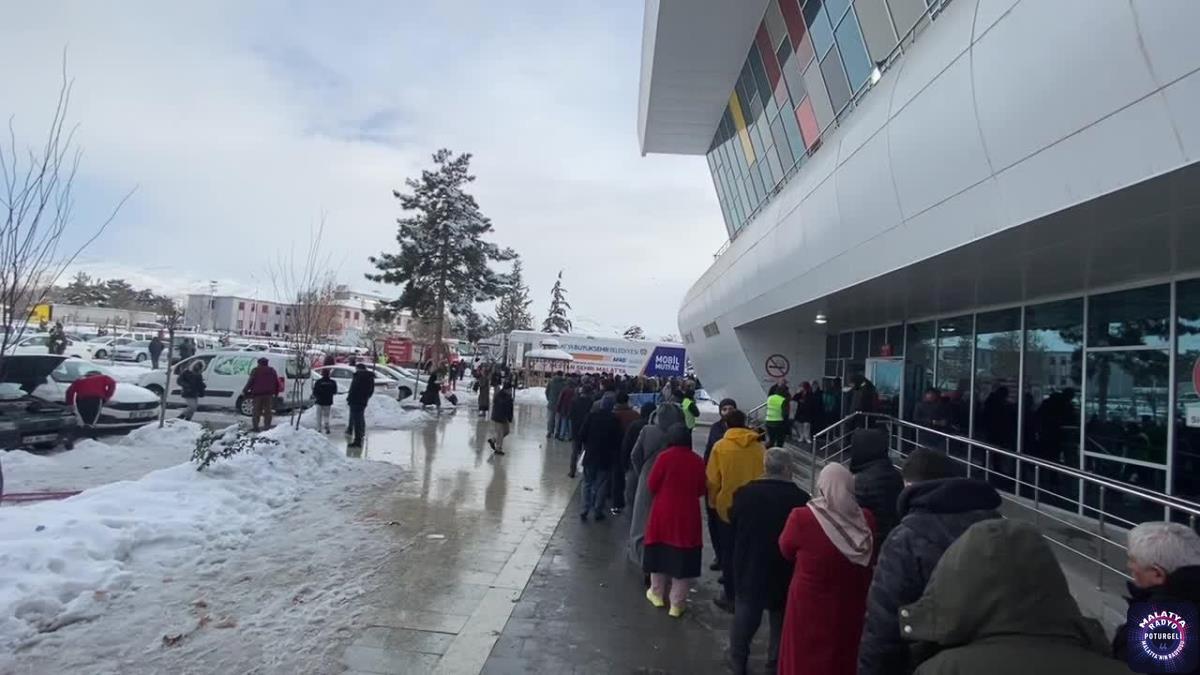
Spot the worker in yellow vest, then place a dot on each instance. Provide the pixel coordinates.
(776, 416)
(690, 411)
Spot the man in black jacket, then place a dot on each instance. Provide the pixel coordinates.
(760, 574)
(581, 406)
(600, 437)
(502, 416)
(935, 508)
(877, 483)
(362, 387)
(191, 389)
(323, 391)
(1164, 561)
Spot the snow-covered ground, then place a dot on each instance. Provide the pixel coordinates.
(256, 560)
(383, 412)
(531, 396)
(94, 463)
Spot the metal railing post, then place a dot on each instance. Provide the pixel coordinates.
(1037, 494)
(1100, 544)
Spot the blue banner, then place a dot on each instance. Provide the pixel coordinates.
(666, 362)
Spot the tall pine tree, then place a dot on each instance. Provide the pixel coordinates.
(635, 333)
(443, 263)
(512, 312)
(556, 318)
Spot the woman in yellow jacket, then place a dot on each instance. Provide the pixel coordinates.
(736, 460)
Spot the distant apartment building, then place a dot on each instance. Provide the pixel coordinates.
(254, 316)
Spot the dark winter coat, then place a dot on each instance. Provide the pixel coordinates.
(432, 395)
(600, 437)
(554, 390)
(715, 433)
(760, 510)
(877, 484)
(863, 398)
(626, 416)
(191, 384)
(998, 604)
(362, 388)
(502, 407)
(1182, 585)
(581, 405)
(264, 381)
(323, 391)
(155, 347)
(932, 515)
(565, 399)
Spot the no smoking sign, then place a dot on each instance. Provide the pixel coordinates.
(777, 365)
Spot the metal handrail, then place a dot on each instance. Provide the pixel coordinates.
(1102, 544)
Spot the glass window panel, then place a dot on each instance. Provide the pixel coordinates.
(760, 73)
(854, 52)
(997, 369)
(819, 28)
(845, 345)
(776, 27)
(953, 371)
(836, 9)
(862, 341)
(1186, 457)
(794, 76)
(831, 346)
(921, 341)
(781, 96)
(809, 126)
(781, 142)
(792, 128)
(835, 80)
(797, 31)
(1138, 316)
(814, 83)
(784, 53)
(1129, 509)
(1126, 407)
(895, 336)
(878, 338)
(1053, 373)
(774, 166)
(831, 367)
(755, 111)
(760, 190)
(876, 26)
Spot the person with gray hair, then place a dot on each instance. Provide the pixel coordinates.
(760, 574)
(1164, 561)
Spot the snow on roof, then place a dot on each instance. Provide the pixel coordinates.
(549, 355)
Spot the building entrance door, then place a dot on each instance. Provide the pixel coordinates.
(887, 374)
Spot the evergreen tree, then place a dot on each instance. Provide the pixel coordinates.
(512, 312)
(556, 318)
(82, 290)
(635, 333)
(443, 261)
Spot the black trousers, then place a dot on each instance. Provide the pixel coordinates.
(725, 556)
(616, 483)
(88, 409)
(358, 423)
(747, 617)
(714, 530)
(776, 433)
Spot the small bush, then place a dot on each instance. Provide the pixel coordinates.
(225, 443)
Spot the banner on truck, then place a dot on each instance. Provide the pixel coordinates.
(624, 358)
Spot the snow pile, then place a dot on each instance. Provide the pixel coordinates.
(531, 395)
(94, 463)
(61, 561)
(383, 412)
(125, 373)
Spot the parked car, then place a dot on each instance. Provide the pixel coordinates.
(407, 379)
(40, 344)
(134, 351)
(105, 346)
(384, 383)
(47, 377)
(225, 375)
(30, 422)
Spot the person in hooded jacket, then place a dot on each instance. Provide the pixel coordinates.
(650, 442)
(674, 536)
(627, 443)
(432, 394)
(323, 391)
(581, 406)
(736, 460)
(715, 433)
(1164, 561)
(600, 438)
(362, 388)
(998, 603)
(935, 508)
(553, 389)
(562, 411)
(830, 540)
(877, 484)
(484, 381)
(760, 574)
(191, 389)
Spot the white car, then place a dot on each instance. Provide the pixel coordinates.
(105, 346)
(225, 375)
(48, 376)
(342, 374)
(409, 383)
(133, 351)
(40, 344)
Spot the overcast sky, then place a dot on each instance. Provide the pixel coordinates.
(239, 123)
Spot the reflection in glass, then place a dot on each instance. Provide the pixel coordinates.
(918, 376)
(845, 342)
(878, 339)
(997, 365)
(1053, 367)
(1137, 317)
(1126, 406)
(1132, 510)
(831, 346)
(861, 340)
(954, 346)
(1186, 457)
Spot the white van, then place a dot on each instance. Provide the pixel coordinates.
(225, 376)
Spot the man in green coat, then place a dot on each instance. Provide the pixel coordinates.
(998, 604)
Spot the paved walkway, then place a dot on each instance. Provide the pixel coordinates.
(492, 572)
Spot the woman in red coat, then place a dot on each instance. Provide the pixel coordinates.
(830, 542)
(673, 532)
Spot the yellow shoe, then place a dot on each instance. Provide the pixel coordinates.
(655, 600)
(675, 612)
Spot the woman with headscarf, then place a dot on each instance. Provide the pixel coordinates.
(674, 537)
(830, 541)
(651, 441)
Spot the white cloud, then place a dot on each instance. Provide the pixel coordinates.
(240, 125)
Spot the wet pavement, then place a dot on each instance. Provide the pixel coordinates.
(492, 572)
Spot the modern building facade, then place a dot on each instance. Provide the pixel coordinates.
(999, 199)
(254, 316)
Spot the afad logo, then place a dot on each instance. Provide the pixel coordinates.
(1162, 637)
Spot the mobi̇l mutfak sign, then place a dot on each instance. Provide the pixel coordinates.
(625, 357)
